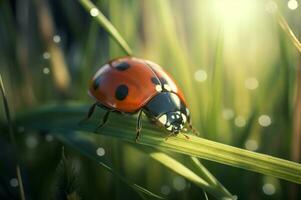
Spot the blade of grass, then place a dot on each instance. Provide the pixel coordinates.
(213, 188)
(106, 24)
(286, 28)
(65, 117)
(87, 143)
(12, 137)
(84, 145)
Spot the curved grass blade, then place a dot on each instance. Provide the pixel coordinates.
(106, 24)
(66, 117)
(213, 187)
(286, 28)
(82, 143)
(87, 143)
(12, 138)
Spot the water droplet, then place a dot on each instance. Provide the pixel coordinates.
(100, 151)
(46, 70)
(264, 120)
(292, 4)
(31, 141)
(228, 113)
(46, 55)
(56, 38)
(240, 121)
(251, 83)
(268, 189)
(14, 182)
(165, 189)
(251, 145)
(271, 7)
(94, 12)
(179, 183)
(49, 138)
(200, 75)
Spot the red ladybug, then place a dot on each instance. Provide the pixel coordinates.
(132, 85)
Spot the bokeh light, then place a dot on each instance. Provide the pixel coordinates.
(292, 4)
(264, 120)
(268, 189)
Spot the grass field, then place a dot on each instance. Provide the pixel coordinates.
(236, 61)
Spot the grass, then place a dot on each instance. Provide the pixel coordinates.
(230, 49)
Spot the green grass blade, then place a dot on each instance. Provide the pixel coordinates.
(66, 118)
(106, 24)
(81, 143)
(214, 188)
(12, 137)
(87, 143)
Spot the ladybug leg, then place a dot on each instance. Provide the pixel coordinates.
(139, 126)
(170, 134)
(186, 136)
(104, 121)
(91, 110)
(194, 131)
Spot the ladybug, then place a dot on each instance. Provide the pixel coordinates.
(132, 85)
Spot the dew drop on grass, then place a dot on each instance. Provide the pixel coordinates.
(264, 120)
(94, 12)
(31, 141)
(100, 151)
(200, 75)
(46, 70)
(228, 113)
(251, 145)
(179, 183)
(165, 189)
(49, 138)
(240, 121)
(271, 7)
(268, 189)
(251, 83)
(57, 38)
(46, 55)
(14, 182)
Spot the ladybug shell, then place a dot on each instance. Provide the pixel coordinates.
(127, 84)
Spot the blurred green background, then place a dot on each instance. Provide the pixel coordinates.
(237, 68)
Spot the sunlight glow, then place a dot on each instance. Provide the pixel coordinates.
(292, 4)
(233, 12)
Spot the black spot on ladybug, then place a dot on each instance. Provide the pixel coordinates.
(121, 92)
(96, 82)
(163, 81)
(155, 81)
(122, 66)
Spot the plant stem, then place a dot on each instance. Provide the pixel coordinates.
(12, 137)
(107, 25)
(284, 25)
(62, 118)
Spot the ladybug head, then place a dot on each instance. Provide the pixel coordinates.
(173, 121)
